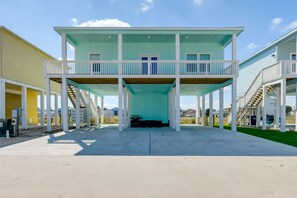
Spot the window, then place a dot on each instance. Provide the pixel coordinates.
(293, 59)
(204, 67)
(95, 64)
(191, 66)
(153, 65)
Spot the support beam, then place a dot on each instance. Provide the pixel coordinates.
(264, 111)
(283, 106)
(197, 110)
(24, 107)
(48, 105)
(177, 104)
(203, 111)
(56, 110)
(177, 52)
(233, 104)
(258, 116)
(2, 99)
(96, 105)
(125, 108)
(77, 109)
(221, 116)
(277, 108)
(120, 52)
(64, 104)
(64, 47)
(120, 112)
(211, 109)
(89, 109)
(170, 109)
(173, 108)
(42, 108)
(102, 110)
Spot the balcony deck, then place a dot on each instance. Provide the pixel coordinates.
(143, 72)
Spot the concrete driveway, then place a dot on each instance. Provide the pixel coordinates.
(191, 141)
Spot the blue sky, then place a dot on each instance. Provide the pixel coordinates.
(264, 21)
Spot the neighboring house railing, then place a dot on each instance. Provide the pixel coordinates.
(141, 68)
(269, 74)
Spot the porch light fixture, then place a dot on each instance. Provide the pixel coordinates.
(187, 37)
(148, 37)
(109, 37)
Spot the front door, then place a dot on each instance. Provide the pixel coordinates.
(152, 67)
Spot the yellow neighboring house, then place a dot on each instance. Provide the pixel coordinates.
(22, 82)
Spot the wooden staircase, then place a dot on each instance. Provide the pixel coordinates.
(71, 91)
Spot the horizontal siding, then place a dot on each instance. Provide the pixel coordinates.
(250, 69)
(22, 62)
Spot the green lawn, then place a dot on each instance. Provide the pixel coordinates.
(289, 138)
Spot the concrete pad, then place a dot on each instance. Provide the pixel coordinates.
(191, 141)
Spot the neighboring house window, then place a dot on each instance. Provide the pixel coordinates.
(95, 66)
(153, 66)
(293, 58)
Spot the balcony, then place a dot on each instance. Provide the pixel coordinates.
(142, 69)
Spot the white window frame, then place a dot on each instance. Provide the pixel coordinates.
(198, 59)
(149, 56)
(95, 64)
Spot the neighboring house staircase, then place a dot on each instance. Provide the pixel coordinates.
(71, 91)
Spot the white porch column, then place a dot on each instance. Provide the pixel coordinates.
(77, 109)
(120, 112)
(125, 108)
(24, 107)
(64, 47)
(89, 109)
(2, 99)
(264, 111)
(234, 48)
(177, 103)
(102, 110)
(129, 109)
(233, 106)
(211, 109)
(96, 105)
(258, 116)
(296, 105)
(283, 106)
(169, 109)
(48, 105)
(177, 52)
(197, 110)
(221, 116)
(277, 108)
(203, 111)
(120, 52)
(244, 122)
(42, 108)
(56, 109)
(64, 104)
(173, 109)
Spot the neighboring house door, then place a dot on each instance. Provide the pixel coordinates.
(95, 66)
(153, 64)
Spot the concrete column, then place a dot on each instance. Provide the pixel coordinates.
(264, 111)
(120, 112)
(211, 109)
(277, 108)
(233, 106)
(129, 108)
(244, 122)
(2, 99)
(203, 111)
(173, 108)
(197, 110)
(177, 103)
(221, 116)
(89, 109)
(42, 108)
(96, 105)
(283, 106)
(24, 107)
(64, 103)
(102, 110)
(77, 109)
(169, 109)
(48, 105)
(125, 108)
(56, 110)
(258, 116)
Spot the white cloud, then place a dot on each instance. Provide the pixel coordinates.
(146, 5)
(198, 2)
(252, 46)
(275, 22)
(290, 26)
(100, 23)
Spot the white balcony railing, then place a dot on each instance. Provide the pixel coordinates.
(141, 68)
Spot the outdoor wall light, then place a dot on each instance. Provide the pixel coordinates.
(148, 37)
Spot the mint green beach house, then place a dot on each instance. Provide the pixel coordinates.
(147, 68)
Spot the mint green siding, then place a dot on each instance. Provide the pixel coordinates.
(150, 106)
(107, 50)
(285, 50)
